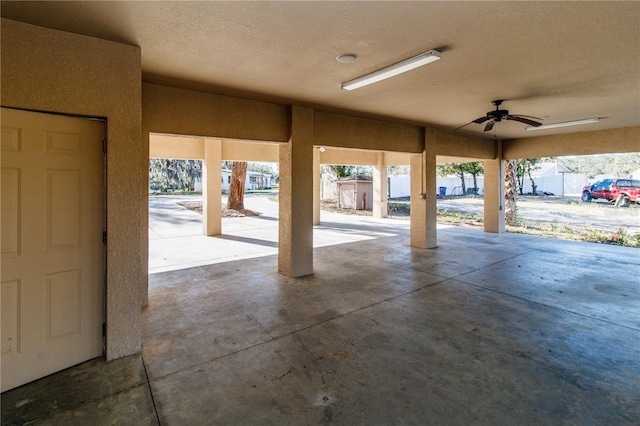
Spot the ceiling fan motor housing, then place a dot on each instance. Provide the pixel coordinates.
(498, 114)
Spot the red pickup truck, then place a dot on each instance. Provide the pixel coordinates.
(622, 191)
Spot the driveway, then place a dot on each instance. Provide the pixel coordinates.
(176, 240)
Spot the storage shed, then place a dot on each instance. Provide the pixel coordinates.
(355, 192)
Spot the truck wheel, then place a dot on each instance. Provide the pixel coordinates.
(625, 201)
(586, 196)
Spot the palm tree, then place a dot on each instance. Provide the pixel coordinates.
(511, 210)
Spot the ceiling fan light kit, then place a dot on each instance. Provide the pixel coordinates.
(393, 70)
(564, 124)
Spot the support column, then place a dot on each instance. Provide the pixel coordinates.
(316, 187)
(295, 237)
(380, 187)
(212, 187)
(423, 196)
(494, 211)
(144, 219)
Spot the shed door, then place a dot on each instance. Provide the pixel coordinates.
(52, 251)
(348, 196)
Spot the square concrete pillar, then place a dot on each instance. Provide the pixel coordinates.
(494, 210)
(316, 187)
(423, 199)
(212, 187)
(295, 238)
(380, 187)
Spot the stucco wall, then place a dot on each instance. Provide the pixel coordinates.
(186, 148)
(361, 133)
(457, 145)
(184, 112)
(295, 222)
(54, 71)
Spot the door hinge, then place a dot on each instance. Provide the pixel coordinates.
(104, 237)
(104, 145)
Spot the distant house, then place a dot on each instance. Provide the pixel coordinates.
(253, 181)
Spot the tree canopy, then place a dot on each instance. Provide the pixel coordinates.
(343, 171)
(459, 169)
(166, 174)
(619, 165)
(524, 167)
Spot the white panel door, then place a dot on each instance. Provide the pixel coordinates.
(52, 251)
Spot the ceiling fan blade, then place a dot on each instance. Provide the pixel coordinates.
(489, 126)
(524, 120)
(481, 120)
(528, 116)
(458, 128)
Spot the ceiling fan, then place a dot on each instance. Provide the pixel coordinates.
(498, 115)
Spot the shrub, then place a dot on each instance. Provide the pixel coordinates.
(621, 237)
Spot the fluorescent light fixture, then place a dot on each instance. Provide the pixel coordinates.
(564, 124)
(393, 70)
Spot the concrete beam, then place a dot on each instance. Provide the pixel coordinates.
(361, 133)
(623, 139)
(461, 146)
(250, 151)
(177, 147)
(169, 110)
(191, 148)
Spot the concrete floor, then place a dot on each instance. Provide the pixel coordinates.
(494, 329)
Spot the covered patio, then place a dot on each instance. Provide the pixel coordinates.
(488, 328)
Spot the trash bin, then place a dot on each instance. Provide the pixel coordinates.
(443, 190)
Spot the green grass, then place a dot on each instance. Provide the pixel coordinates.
(621, 237)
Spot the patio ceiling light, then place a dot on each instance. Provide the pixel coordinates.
(393, 70)
(564, 124)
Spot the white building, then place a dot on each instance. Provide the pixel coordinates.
(556, 179)
(253, 181)
(553, 178)
(400, 185)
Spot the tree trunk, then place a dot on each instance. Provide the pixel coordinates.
(236, 187)
(511, 211)
(464, 187)
(533, 184)
(475, 184)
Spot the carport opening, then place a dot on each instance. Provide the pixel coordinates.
(553, 197)
(176, 238)
(556, 197)
(176, 229)
(189, 183)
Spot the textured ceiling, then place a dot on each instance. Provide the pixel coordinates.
(561, 60)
